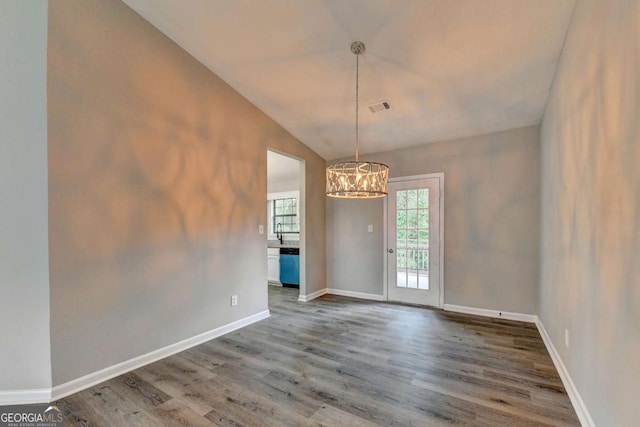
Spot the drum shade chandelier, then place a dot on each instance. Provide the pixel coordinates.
(356, 179)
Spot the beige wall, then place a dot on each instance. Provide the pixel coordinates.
(157, 185)
(491, 198)
(590, 276)
(25, 362)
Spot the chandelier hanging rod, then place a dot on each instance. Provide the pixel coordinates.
(356, 179)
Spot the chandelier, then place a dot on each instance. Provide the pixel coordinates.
(355, 179)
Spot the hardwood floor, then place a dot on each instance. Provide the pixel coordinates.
(338, 361)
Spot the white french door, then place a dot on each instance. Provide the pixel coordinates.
(414, 241)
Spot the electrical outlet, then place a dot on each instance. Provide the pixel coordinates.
(261, 229)
(234, 300)
(370, 228)
(566, 337)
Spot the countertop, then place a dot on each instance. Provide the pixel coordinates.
(286, 244)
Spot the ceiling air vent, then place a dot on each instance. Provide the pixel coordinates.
(379, 106)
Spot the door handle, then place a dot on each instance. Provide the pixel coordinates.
(390, 250)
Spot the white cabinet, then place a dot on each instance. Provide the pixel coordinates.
(273, 265)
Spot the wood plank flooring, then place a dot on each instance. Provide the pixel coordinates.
(338, 361)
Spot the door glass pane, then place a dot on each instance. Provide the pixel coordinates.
(423, 239)
(412, 219)
(412, 279)
(423, 259)
(402, 239)
(401, 254)
(401, 258)
(411, 259)
(412, 199)
(423, 198)
(423, 279)
(423, 218)
(401, 281)
(401, 197)
(401, 220)
(412, 238)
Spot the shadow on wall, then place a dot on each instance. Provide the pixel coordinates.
(491, 204)
(156, 188)
(591, 236)
(491, 225)
(491, 222)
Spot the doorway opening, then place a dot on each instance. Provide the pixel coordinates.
(414, 238)
(285, 222)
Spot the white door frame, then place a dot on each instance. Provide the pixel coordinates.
(302, 180)
(385, 284)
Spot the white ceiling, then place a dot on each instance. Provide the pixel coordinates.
(281, 168)
(450, 68)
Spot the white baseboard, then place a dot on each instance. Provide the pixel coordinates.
(313, 295)
(530, 318)
(23, 397)
(74, 386)
(341, 292)
(352, 294)
(45, 395)
(572, 391)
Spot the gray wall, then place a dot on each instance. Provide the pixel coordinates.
(354, 256)
(590, 276)
(492, 196)
(157, 185)
(24, 265)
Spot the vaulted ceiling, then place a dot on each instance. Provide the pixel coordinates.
(449, 68)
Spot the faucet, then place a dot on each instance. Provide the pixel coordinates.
(279, 233)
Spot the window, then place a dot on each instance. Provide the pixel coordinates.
(284, 208)
(285, 212)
